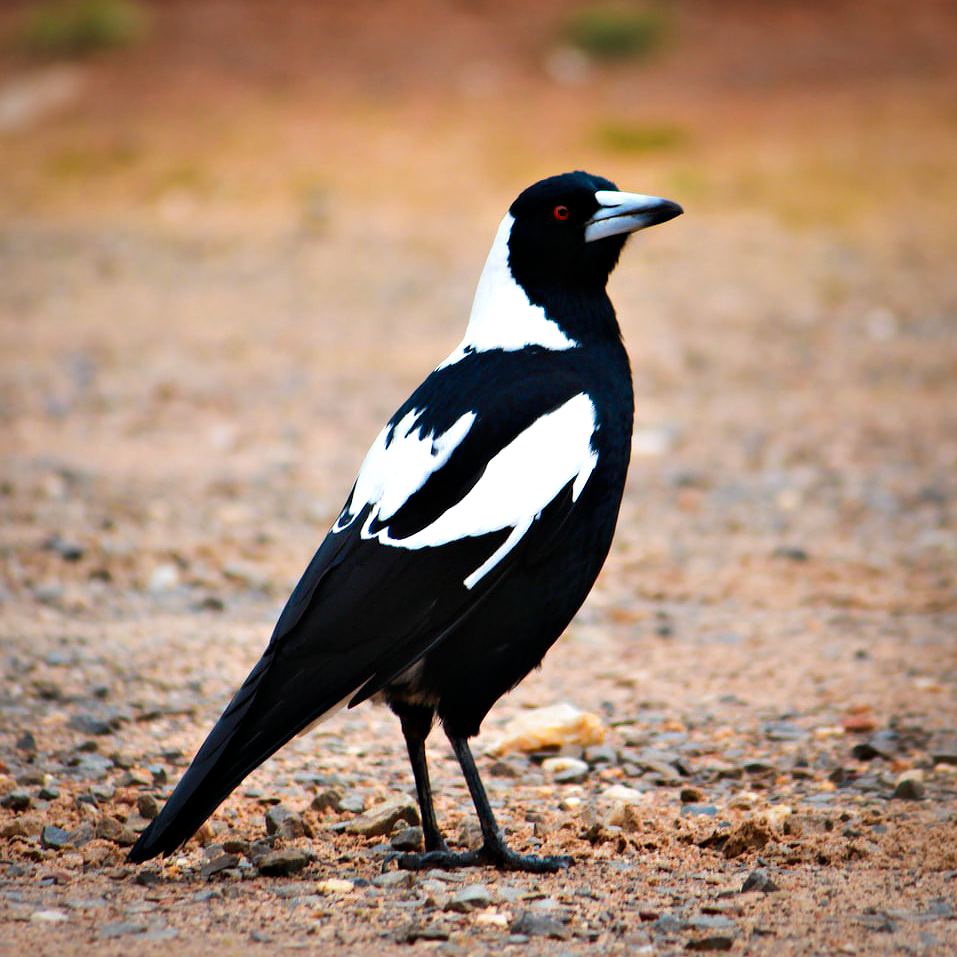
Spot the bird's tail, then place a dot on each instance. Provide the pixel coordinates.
(233, 749)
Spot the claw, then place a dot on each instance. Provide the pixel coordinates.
(503, 859)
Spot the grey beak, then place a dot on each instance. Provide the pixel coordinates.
(627, 213)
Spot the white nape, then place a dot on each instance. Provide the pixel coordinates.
(502, 316)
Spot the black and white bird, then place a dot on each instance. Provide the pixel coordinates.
(476, 527)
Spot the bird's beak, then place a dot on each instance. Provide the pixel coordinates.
(626, 213)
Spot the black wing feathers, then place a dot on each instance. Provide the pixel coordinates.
(508, 391)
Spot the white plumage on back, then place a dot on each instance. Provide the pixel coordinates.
(398, 466)
(519, 481)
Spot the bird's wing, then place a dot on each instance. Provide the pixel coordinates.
(437, 514)
(446, 500)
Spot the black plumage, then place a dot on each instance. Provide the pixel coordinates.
(476, 527)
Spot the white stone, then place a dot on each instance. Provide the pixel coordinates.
(550, 727)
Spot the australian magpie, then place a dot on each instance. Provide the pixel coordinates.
(476, 527)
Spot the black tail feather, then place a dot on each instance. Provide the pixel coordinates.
(234, 748)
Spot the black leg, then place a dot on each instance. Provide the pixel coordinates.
(416, 724)
(493, 852)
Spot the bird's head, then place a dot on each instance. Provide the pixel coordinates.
(570, 229)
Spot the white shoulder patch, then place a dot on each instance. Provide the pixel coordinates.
(518, 483)
(502, 316)
(395, 469)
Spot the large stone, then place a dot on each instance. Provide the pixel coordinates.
(379, 821)
(551, 729)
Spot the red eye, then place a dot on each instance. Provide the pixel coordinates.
(561, 213)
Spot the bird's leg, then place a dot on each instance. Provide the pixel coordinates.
(494, 850)
(416, 725)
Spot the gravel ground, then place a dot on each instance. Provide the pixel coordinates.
(191, 376)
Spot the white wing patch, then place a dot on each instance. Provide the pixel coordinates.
(394, 470)
(517, 484)
(502, 316)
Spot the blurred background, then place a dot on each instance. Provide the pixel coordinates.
(235, 233)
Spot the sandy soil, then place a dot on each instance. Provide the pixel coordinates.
(228, 253)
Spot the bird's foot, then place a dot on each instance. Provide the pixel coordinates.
(499, 857)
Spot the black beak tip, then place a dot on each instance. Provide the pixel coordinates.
(668, 210)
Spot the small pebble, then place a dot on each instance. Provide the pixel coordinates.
(470, 835)
(54, 837)
(284, 823)
(530, 924)
(793, 553)
(48, 917)
(31, 778)
(110, 829)
(910, 789)
(669, 924)
(67, 550)
(381, 819)
(148, 806)
(716, 924)
(472, 897)
(211, 894)
(335, 885)
(27, 744)
(282, 863)
(417, 931)
(505, 768)
(759, 880)
(784, 732)
(352, 802)
(120, 929)
(408, 839)
(865, 751)
(220, 862)
(16, 801)
(711, 942)
(164, 578)
(599, 755)
(89, 724)
(236, 846)
(328, 800)
(622, 794)
(394, 879)
(565, 770)
(81, 835)
(103, 793)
